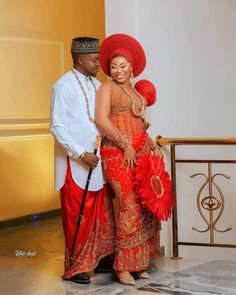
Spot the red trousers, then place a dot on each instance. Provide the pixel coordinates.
(96, 237)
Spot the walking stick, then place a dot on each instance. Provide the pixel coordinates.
(98, 140)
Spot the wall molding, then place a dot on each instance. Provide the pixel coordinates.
(24, 128)
(38, 41)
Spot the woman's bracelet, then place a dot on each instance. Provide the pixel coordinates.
(122, 142)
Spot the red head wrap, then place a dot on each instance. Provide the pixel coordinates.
(124, 45)
(124, 52)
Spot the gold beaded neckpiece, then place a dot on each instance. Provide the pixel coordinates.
(135, 113)
(85, 94)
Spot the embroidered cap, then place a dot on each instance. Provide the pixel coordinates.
(124, 45)
(85, 45)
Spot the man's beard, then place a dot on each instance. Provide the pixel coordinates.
(93, 74)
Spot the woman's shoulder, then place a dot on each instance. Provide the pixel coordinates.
(107, 84)
(106, 87)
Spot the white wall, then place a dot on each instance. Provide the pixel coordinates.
(191, 53)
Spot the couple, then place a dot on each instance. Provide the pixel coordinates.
(133, 235)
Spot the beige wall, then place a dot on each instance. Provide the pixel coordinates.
(35, 38)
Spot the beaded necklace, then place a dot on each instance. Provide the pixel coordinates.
(135, 113)
(85, 95)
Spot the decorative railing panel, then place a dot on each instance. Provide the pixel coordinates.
(210, 199)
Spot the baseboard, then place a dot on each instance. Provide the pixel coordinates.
(30, 218)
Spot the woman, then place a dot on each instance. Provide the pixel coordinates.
(119, 110)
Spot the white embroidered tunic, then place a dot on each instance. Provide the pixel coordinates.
(73, 131)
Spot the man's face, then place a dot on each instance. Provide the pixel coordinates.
(90, 64)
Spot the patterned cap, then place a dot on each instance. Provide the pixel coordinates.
(85, 45)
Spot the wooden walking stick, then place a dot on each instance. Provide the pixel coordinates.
(96, 145)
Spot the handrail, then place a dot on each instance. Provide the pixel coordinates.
(196, 141)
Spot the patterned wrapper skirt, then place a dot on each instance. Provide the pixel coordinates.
(96, 236)
(137, 230)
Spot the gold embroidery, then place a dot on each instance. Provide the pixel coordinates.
(122, 141)
(137, 229)
(137, 258)
(101, 243)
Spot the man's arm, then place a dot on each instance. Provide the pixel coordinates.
(61, 98)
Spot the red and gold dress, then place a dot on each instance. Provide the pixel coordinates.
(137, 231)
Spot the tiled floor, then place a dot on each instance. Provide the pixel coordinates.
(31, 263)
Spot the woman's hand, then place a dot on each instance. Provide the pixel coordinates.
(157, 152)
(129, 157)
(145, 124)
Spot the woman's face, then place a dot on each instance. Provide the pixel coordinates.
(120, 69)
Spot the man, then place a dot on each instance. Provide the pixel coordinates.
(72, 124)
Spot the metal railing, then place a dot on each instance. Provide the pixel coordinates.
(210, 203)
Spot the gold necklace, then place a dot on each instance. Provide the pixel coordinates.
(135, 113)
(85, 95)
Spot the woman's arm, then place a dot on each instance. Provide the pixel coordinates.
(102, 113)
(154, 148)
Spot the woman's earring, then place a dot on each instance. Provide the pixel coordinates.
(131, 75)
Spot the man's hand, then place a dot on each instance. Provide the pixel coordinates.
(90, 159)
